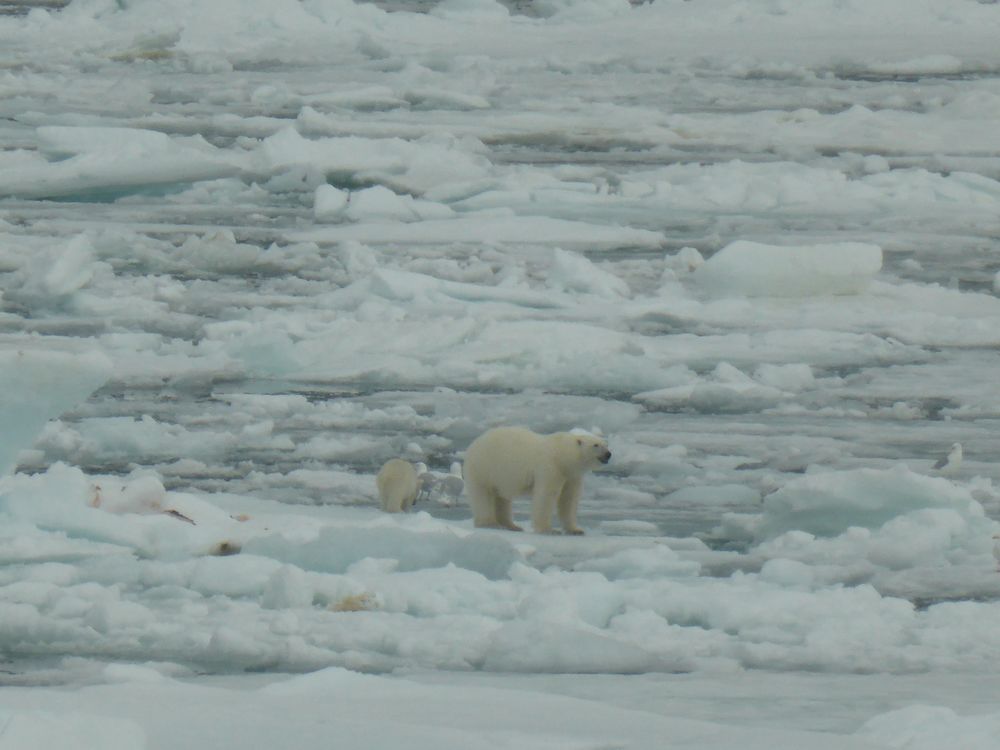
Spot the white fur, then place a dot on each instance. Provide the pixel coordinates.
(397, 485)
(508, 462)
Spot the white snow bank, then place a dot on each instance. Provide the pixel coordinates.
(757, 270)
(38, 385)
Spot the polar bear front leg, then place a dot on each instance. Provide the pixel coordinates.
(569, 498)
(544, 498)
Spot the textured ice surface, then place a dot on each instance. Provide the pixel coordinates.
(255, 249)
(755, 270)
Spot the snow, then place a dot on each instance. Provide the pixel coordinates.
(252, 250)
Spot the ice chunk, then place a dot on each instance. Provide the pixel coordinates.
(379, 203)
(572, 272)
(55, 273)
(792, 377)
(755, 270)
(144, 494)
(728, 390)
(114, 159)
(36, 386)
(288, 587)
(829, 503)
(329, 203)
(219, 252)
(685, 260)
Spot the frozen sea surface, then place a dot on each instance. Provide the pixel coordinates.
(251, 250)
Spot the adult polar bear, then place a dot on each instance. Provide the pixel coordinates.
(506, 462)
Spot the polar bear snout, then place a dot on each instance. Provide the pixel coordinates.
(605, 456)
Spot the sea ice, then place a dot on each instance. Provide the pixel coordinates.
(297, 238)
(39, 385)
(757, 270)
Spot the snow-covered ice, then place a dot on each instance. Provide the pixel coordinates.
(249, 251)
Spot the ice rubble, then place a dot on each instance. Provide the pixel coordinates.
(111, 159)
(441, 595)
(814, 588)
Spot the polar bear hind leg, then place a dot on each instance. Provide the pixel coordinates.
(505, 514)
(483, 501)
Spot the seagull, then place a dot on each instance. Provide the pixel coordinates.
(950, 463)
(425, 482)
(452, 484)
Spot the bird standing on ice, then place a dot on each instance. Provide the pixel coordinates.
(950, 463)
(453, 484)
(443, 488)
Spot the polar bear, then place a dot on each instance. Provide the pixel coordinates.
(398, 484)
(506, 462)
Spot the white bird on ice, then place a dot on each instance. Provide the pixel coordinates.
(452, 483)
(950, 463)
(425, 481)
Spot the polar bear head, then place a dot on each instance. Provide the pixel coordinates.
(593, 449)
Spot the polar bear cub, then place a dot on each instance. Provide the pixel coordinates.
(398, 484)
(507, 462)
